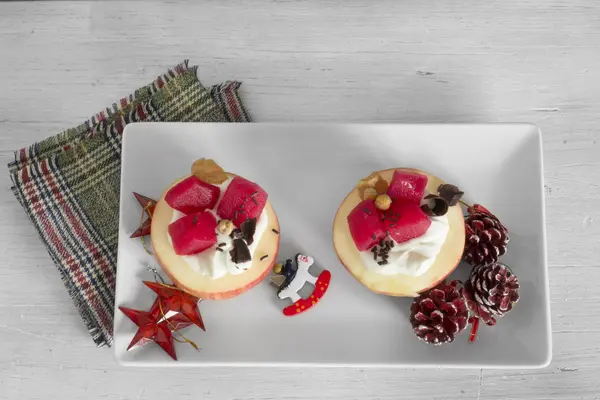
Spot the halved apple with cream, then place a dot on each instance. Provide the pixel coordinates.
(215, 234)
(392, 238)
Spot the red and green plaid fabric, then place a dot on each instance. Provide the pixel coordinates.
(68, 184)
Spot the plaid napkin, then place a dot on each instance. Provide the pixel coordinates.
(68, 184)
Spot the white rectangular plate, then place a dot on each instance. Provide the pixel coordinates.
(307, 170)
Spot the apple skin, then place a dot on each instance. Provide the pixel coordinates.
(221, 295)
(201, 286)
(399, 285)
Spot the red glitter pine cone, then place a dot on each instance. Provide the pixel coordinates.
(486, 238)
(439, 314)
(491, 291)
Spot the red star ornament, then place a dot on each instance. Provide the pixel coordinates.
(176, 300)
(148, 206)
(154, 327)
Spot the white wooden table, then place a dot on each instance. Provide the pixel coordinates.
(427, 61)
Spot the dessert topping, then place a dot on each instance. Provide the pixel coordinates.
(396, 213)
(407, 186)
(240, 252)
(383, 202)
(242, 200)
(191, 195)
(209, 171)
(248, 228)
(435, 205)
(381, 251)
(371, 186)
(193, 233)
(242, 238)
(451, 193)
(369, 193)
(225, 227)
(365, 225)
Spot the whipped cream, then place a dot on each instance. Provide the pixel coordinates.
(217, 264)
(415, 256)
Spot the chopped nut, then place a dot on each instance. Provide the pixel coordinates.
(369, 181)
(383, 202)
(209, 171)
(374, 181)
(225, 226)
(369, 194)
(381, 185)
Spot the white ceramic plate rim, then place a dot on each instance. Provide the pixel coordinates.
(131, 130)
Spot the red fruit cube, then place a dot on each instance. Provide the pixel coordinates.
(407, 186)
(405, 221)
(242, 200)
(191, 195)
(193, 233)
(365, 225)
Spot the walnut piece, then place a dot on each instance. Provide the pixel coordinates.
(374, 181)
(369, 194)
(209, 171)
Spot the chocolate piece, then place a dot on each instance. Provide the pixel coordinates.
(221, 244)
(373, 236)
(195, 219)
(264, 257)
(439, 207)
(451, 193)
(219, 249)
(367, 211)
(275, 231)
(248, 228)
(236, 234)
(240, 252)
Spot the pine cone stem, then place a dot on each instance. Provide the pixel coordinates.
(465, 204)
(474, 328)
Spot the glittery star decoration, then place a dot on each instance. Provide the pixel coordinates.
(148, 206)
(176, 300)
(154, 326)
